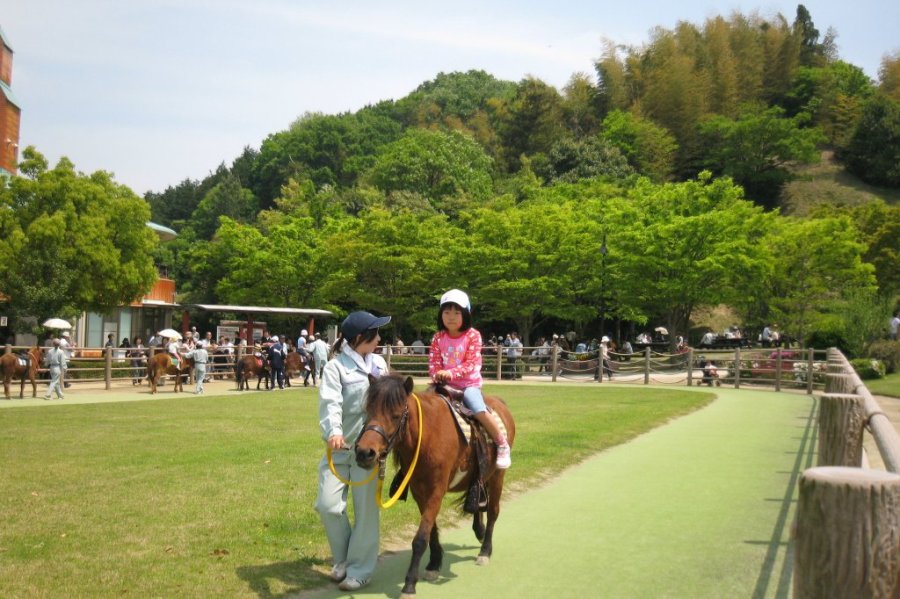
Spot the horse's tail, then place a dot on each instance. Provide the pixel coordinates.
(239, 372)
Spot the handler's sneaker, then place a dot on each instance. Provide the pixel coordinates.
(351, 584)
(339, 572)
(504, 460)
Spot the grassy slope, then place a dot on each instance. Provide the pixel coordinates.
(829, 183)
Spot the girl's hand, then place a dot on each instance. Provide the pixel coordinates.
(442, 376)
(336, 442)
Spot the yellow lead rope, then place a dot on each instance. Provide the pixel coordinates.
(412, 467)
(348, 482)
(380, 469)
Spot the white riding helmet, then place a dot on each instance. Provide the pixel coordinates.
(455, 296)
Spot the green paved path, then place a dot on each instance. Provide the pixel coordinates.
(701, 507)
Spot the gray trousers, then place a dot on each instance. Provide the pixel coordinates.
(199, 375)
(56, 374)
(358, 544)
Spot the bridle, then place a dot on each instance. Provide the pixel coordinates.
(390, 441)
(382, 456)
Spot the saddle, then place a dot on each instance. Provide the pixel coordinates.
(24, 360)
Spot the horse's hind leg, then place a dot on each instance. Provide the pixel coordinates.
(478, 525)
(436, 556)
(495, 489)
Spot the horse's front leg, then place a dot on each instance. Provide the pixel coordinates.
(427, 527)
(34, 385)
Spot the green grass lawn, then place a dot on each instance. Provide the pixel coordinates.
(213, 496)
(889, 385)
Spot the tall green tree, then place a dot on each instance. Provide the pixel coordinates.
(530, 123)
(678, 246)
(756, 148)
(73, 242)
(873, 153)
(228, 198)
(818, 269)
(447, 168)
(649, 148)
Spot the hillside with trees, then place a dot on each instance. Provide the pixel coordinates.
(683, 158)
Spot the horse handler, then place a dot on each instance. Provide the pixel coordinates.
(201, 357)
(342, 415)
(56, 360)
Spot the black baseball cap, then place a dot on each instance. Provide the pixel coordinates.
(357, 322)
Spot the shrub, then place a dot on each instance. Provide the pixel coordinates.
(868, 369)
(886, 351)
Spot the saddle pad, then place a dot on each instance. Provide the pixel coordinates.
(464, 427)
(23, 362)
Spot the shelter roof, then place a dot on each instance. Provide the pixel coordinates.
(10, 97)
(165, 233)
(260, 309)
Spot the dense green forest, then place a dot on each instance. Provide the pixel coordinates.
(675, 156)
(674, 178)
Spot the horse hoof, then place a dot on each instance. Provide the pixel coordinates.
(431, 575)
(483, 560)
(407, 596)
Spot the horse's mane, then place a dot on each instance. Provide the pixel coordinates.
(385, 395)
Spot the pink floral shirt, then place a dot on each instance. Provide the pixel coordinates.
(460, 355)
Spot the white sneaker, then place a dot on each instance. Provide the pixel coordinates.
(352, 584)
(339, 572)
(504, 460)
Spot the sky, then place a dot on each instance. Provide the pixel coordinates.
(158, 91)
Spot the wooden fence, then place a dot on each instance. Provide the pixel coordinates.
(847, 539)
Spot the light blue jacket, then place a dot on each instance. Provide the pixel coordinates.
(342, 394)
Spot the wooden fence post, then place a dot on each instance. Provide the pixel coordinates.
(809, 371)
(554, 361)
(847, 540)
(108, 369)
(646, 365)
(690, 366)
(388, 351)
(778, 366)
(599, 365)
(737, 367)
(842, 419)
(500, 349)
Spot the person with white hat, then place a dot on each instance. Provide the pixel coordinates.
(455, 360)
(276, 354)
(604, 357)
(66, 344)
(342, 415)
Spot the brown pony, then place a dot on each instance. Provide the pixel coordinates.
(161, 363)
(295, 363)
(247, 367)
(445, 463)
(10, 368)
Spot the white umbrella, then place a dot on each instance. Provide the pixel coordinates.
(170, 333)
(57, 323)
(662, 330)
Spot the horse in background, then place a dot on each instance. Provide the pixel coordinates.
(249, 366)
(303, 365)
(161, 364)
(446, 463)
(11, 367)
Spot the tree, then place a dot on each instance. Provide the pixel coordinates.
(889, 74)
(73, 242)
(571, 160)
(580, 105)
(677, 246)
(395, 264)
(756, 148)
(447, 168)
(818, 269)
(227, 198)
(531, 122)
(873, 153)
(649, 148)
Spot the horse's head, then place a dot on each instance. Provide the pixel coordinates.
(387, 411)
